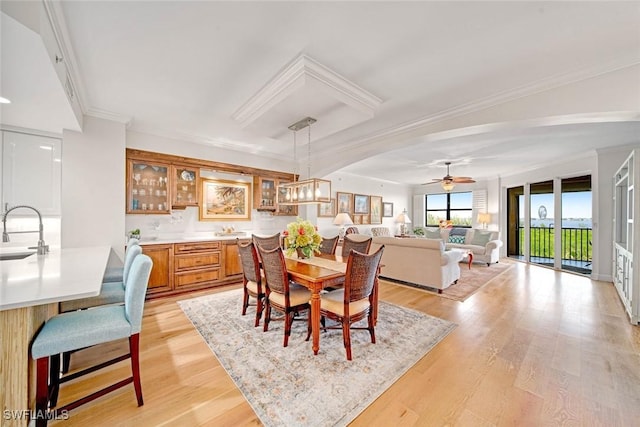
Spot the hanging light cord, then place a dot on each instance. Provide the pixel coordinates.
(309, 152)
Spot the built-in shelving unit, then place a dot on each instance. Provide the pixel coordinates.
(626, 235)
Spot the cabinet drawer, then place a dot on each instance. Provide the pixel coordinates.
(196, 247)
(186, 262)
(192, 278)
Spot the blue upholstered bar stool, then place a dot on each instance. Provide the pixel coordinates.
(85, 328)
(116, 274)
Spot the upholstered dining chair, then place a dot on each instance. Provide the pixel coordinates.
(251, 278)
(329, 245)
(356, 300)
(357, 242)
(288, 298)
(268, 242)
(116, 274)
(85, 328)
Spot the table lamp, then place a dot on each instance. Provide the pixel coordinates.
(342, 219)
(403, 219)
(484, 218)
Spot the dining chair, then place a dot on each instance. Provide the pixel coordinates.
(356, 242)
(115, 274)
(282, 295)
(356, 300)
(75, 330)
(329, 245)
(268, 242)
(251, 278)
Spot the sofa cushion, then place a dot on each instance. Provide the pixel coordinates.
(481, 238)
(456, 238)
(432, 234)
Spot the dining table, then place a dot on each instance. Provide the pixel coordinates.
(317, 273)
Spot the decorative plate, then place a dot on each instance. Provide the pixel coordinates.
(187, 176)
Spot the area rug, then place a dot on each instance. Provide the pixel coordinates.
(290, 386)
(470, 281)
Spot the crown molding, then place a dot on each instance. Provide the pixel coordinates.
(294, 76)
(108, 115)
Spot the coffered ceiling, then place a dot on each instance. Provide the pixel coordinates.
(397, 87)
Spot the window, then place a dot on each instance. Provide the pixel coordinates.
(455, 207)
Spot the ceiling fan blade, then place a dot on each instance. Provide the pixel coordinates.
(463, 180)
(435, 181)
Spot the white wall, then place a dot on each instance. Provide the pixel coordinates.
(93, 187)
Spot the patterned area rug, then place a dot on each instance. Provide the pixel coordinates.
(290, 386)
(470, 282)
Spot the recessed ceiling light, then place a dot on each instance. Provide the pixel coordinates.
(4, 101)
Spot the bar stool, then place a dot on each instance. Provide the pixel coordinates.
(85, 328)
(116, 274)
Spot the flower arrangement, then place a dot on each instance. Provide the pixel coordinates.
(301, 236)
(446, 223)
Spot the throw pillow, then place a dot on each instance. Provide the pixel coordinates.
(458, 232)
(456, 239)
(480, 238)
(432, 234)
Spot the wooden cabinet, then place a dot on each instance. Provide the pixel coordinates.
(265, 192)
(148, 189)
(161, 279)
(232, 263)
(185, 185)
(196, 264)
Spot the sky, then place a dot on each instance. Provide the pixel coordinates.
(574, 205)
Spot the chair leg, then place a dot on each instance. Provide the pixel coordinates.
(42, 391)
(288, 321)
(66, 361)
(267, 316)
(54, 379)
(372, 331)
(134, 350)
(346, 336)
(309, 330)
(259, 308)
(245, 301)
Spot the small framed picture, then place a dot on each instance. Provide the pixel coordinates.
(376, 209)
(357, 219)
(327, 210)
(344, 203)
(387, 209)
(360, 204)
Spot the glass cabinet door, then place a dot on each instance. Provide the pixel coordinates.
(185, 187)
(264, 193)
(147, 187)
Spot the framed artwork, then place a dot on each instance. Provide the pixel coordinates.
(327, 209)
(225, 200)
(387, 209)
(344, 203)
(365, 219)
(360, 204)
(376, 209)
(357, 219)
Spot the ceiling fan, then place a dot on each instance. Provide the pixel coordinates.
(448, 181)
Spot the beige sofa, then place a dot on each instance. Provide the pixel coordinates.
(484, 244)
(419, 261)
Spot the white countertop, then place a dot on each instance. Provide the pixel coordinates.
(61, 275)
(201, 237)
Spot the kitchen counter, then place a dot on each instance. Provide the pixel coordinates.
(61, 275)
(200, 237)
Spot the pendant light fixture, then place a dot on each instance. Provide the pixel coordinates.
(310, 190)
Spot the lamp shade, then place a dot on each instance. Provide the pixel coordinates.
(403, 218)
(447, 185)
(484, 218)
(342, 219)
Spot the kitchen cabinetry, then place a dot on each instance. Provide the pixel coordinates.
(232, 264)
(626, 230)
(186, 191)
(265, 191)
(148, 189)
(31, 171)
(161, 279)
(196, 264)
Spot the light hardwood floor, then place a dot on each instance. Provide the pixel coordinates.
(534, 347)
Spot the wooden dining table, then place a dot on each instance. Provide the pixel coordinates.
(316, 274)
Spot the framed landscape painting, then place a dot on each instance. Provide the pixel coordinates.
(327, 209)
(387, 209)
(344, 203)
(360, 204)
(376, 209)
(225, 200)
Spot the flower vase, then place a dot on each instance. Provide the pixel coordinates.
(301, 254)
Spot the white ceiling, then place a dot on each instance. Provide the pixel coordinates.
(399, 87)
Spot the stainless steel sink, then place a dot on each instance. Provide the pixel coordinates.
(15, 255)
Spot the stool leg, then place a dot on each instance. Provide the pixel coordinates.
(134, 349)
(66, 361)
(42, 391)
(54, 379)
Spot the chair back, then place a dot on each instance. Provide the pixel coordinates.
(329, 245)
(361, 275)
(360, 243)
(275, 270)
(268, 243)
(136, 290)
(250, 262)
(130, 254)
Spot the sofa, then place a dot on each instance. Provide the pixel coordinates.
(484, 244)
(420, 261)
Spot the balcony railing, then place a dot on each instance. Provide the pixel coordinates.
(576, 245)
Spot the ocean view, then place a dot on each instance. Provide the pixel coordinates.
(566, 222)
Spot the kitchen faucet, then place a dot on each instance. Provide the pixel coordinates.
(42, 248)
